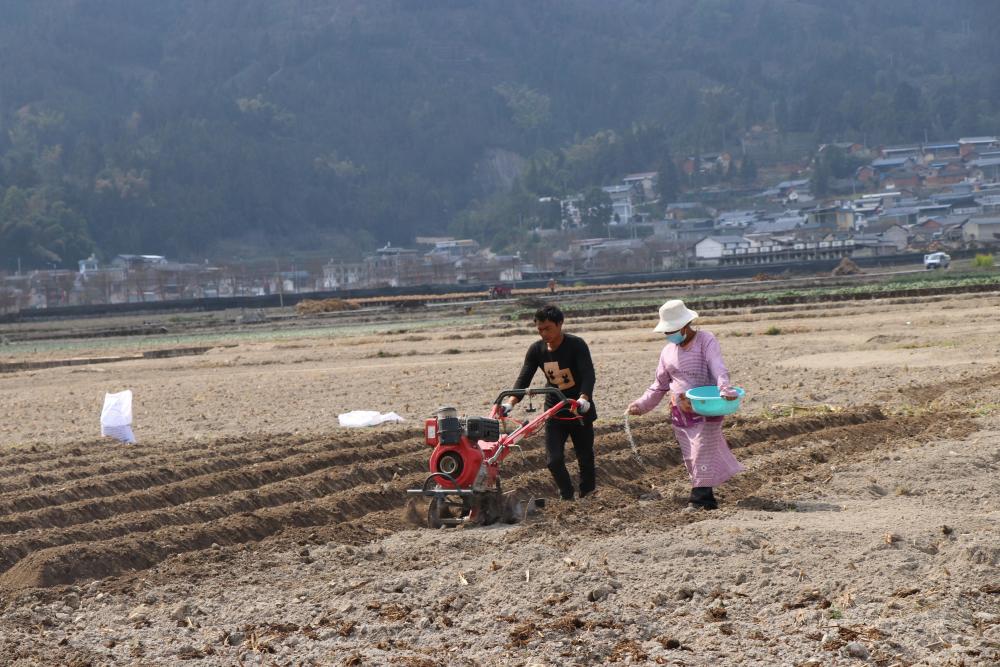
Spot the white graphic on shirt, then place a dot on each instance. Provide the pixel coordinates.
(562, 378)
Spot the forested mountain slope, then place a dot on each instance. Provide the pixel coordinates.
(241, 127)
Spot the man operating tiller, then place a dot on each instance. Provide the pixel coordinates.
(565, 360)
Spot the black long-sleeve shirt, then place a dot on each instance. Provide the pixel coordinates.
(568, 368)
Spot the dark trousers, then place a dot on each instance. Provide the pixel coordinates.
(582, 434)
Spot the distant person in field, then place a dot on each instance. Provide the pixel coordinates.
(565, 360)
(692, 358)
(552, 286)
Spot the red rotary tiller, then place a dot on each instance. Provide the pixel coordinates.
(464, 484)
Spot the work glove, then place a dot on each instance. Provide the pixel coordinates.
(506, 409)
(582, 406)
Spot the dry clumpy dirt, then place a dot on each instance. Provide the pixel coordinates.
(246, 528)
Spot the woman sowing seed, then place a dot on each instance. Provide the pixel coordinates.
(692, 359)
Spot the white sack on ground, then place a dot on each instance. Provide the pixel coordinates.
(367, 418)
(116, 416)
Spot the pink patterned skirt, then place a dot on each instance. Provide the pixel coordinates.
(707, 457)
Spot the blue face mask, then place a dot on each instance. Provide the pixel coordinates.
(676, 338)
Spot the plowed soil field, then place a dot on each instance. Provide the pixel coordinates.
(247, 527)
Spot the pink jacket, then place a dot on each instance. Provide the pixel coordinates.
(680, 369)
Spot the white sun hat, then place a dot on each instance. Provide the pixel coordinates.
(674, 316)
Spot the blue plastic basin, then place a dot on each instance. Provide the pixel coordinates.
(706, 401)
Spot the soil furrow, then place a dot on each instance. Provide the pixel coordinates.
(167, 473)
(39, 482)
(798, 465)
(179, 493)
(75, 463)
(243, 491)
(190, 515)
(106, 485)
(97, 498)
(73, 562)
(36, 562)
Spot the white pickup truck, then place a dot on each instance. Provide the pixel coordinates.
(937, 260)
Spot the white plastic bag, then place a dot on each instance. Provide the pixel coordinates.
(116, 416)
(367, 418)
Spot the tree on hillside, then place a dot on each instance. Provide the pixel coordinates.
(668, 179)
(39, 233)
(529, 108)
(748, 170)
(595, 210)
(819, 182)
(550, 213)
